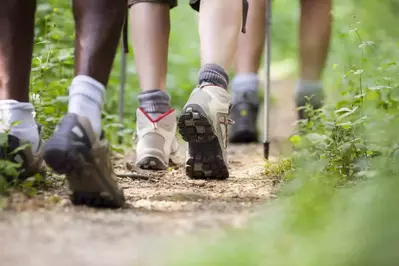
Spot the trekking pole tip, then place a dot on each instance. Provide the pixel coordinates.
(266, 146)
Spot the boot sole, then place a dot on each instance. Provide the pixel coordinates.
(205, 154)
(151, 163)
(87, 182)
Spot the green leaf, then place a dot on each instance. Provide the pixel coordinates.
(358, 72)
(378, 88)
(3, 139)
(366, 43)
(343, 109)
(113, 125)
(346, 125)
(346, 147)
(20, 148)
(360, 147)
(296, 139)
(346, 111)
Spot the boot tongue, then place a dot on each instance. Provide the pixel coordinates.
(154, 116)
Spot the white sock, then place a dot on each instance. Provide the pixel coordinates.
(86, 98)
(16, 118)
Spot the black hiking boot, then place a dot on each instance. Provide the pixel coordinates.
(74, 150)
(244, 113)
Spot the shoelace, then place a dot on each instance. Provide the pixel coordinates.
(226, 121)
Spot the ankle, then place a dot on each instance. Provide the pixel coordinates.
(213, 74)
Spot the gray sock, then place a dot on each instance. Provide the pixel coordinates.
(154, 102)
(244, 88)
(309, 88)
(213, 74)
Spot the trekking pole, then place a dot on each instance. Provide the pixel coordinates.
(122, 93)
(266, 140)
(125, 50)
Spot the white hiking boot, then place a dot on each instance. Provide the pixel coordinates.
(204, 124)
(157, 144)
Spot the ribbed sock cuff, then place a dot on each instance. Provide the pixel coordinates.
(213, 74)
(154, 101)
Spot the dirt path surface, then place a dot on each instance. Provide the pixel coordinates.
(47, 230)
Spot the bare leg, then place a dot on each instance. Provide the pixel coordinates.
(250, 44)
(98, 27)
(16, 45)
(219, 27)
(314, 34)
(150, 26)
(205, 117)
(314, 39)
(245, 84)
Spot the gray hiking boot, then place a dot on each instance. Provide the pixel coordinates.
(314, 98)
(157, 144)
(244, 113)
(204, 125)
(19, 151)
(74, 150)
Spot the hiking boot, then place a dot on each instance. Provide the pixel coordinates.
(315, 100)
(74, 150)
(244, 113)
(19, 151)
(157, 144)
(203, 124)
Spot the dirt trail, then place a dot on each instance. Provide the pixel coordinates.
(47, 230)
